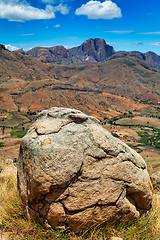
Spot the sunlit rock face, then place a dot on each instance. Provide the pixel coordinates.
(72, 172)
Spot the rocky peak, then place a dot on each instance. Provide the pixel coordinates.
(91, 50)
(59, 51)
(2, 47)
(20, 51)
(95, 50)
(153, 59)
(57, 54)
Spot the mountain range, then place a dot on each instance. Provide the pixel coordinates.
(122, 83)
(92, 50)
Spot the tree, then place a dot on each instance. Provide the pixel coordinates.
(3, 128)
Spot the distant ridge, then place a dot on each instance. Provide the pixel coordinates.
(92, 50)
(149, 57)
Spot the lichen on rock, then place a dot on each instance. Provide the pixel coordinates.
(72, 172)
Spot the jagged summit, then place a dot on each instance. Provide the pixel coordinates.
(95, 50)
(91, 50)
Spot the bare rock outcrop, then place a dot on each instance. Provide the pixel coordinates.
(57, 54)
(92, 50)
(72, 172)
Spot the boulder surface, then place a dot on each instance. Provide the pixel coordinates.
(72, 172)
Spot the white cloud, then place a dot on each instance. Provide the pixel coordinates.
(95, 10)
(11, 48)
(56, 26)
(118, 43)
(57, 1)
(27, 34)
(120, 32)
(138, 43)
(61, 8)
(48, 1)
(22, 11)
(155, 44)
(150, 33)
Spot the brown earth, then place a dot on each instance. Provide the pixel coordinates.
(120, 85)
(141, 120)
(11, 145)
(106, 89)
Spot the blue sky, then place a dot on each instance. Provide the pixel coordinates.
(124, 24)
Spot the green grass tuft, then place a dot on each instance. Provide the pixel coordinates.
(1, 144)
(18, 134)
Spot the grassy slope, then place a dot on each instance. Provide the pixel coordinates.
(13, 220)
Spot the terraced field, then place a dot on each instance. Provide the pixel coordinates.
(141, 133)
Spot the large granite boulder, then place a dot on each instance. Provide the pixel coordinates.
(72, 172)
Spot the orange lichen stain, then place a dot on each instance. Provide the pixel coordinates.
(36, 128)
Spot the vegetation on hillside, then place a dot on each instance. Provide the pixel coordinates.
(150, 137)
(149, 134)
(18, 134)
(1, 144)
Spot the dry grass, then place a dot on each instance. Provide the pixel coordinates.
(150, 121)
(13, 220)
(2, 162)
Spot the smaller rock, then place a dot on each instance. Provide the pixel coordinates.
(50, 126)
(155, 178)
(56, 215)
(78, 117)
(8, 168)
(116, 238)
(4, 235)
(156, 198)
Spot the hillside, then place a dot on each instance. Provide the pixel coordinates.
(130, 77)
(123, 83)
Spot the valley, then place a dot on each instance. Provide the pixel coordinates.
(122, 90)
(126, 129)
